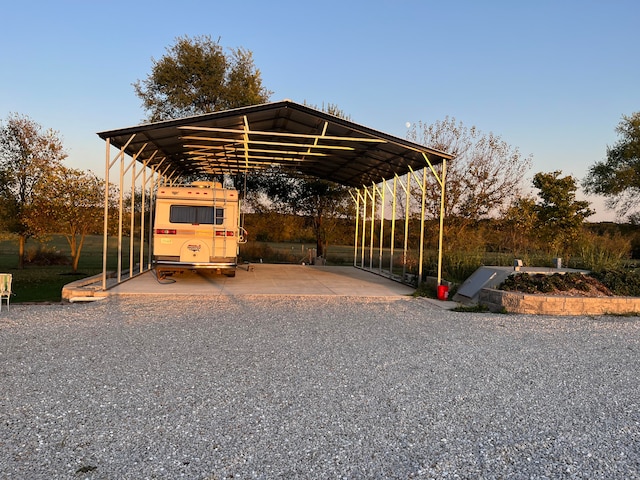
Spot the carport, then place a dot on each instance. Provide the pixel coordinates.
(379, 168)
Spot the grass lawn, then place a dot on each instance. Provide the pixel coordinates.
(43, 283)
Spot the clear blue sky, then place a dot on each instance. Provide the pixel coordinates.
(552, 78)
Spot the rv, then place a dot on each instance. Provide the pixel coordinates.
(196, 227)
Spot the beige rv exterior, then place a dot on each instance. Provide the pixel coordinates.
(196, 228)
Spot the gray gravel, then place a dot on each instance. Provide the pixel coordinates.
(314, 387)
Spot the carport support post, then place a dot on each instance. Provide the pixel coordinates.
(407, 192)
(393, 223)
(424, 195)
(145, 180)
(442, 205)
(142, 213)
(108, 165)
(373, 224)
(355, 239)
(364, 224)
(152, 202)
(105, 230)
(120, 208)
(133, 218)
(381, 224)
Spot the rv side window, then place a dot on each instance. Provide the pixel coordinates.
(196, 215)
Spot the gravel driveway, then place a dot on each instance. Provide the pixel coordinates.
(314, 387)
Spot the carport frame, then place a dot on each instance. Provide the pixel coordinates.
(364, 215)
(294, 137)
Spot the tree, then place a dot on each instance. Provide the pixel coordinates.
(331, 109)
(517, 225)
(196, 76)
(618, 178)
(27, 156)
(321, 201)
(70, 202)
(559, 215)
(483, 179)
(484, 176)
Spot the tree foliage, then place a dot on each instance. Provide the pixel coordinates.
(559, 215)
(481, 181)
(517, 225)
(28, 154)
(618, 177)
(70, 202)
(331, 109)
(321, 201)
(197, 76)
(484, 177)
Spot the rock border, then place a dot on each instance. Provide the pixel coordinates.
(517, 302)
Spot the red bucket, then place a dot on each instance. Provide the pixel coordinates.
(443, 292)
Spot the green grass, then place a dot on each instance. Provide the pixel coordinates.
(41, 284)
(37, 283)
(289, 252)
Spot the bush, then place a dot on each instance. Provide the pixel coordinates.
(620, 282)
(261, 252)
(601, 252)
(542, 283)
(43, 256)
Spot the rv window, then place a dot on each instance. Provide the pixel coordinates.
(196, 215)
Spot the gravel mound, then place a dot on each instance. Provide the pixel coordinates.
(314, 387)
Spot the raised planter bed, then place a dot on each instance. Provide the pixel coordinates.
(517, 302)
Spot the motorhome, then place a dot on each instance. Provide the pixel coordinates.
(197, 227)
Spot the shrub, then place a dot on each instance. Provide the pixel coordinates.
(602, 252)
(262, 252)
(542, 283)
(620, 282)
(43, 256)
(521, 282)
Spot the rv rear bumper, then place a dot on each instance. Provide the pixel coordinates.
(168, 264)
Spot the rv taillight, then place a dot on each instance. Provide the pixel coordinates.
(165, 231)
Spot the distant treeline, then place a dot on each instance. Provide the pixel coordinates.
(491, 235)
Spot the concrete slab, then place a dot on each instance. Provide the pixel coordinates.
(268, 279)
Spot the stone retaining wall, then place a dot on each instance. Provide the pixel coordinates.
(515, 302)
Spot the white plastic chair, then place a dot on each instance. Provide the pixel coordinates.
(5, 288)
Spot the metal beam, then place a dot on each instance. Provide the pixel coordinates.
(262, 142)
(381, 193)
(105, 227)
(442, 213)
(284, 134)
(393, 224)
(356, 200)
(421, 253)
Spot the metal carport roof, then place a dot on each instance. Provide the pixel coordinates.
(287, 134)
